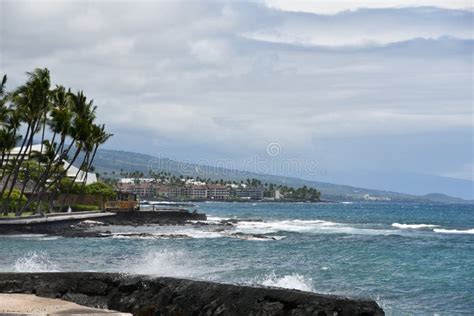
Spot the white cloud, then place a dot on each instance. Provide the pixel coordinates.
(367, 27)
(337, 6)
(182, 73)
(211, 50)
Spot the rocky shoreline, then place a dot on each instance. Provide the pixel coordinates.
(77, 228)
(142, 295)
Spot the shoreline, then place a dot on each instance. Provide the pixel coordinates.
(146, 295)
(71, 226)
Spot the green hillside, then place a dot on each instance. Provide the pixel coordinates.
(110, 163)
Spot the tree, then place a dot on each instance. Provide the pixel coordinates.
(102, 189)
(63, 121)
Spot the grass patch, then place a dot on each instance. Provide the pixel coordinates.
(12, 215)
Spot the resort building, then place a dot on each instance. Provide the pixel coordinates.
(175, 192)
(218, 192)
(141, 189)
(196, 191)
(367, 197)
(136, 180)
(250, 193)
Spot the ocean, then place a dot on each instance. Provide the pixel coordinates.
(412, 258)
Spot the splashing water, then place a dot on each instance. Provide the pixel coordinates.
(173, 263)
(293, 281)
(35, 262)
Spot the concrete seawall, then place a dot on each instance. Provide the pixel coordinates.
(67, 225)
(143, 295)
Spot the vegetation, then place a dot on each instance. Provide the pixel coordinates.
(64, 122)
(102, 189)
(303, 193)
(18, 200)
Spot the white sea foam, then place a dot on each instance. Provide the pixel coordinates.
(413, 226)
(292, 281)
(250, 230)
(306, 226)
(454, 231)
(39, 237)
(24, 236)
(215, 219)
(35, 262)
(265, 227)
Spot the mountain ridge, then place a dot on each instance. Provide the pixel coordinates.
(109, 163)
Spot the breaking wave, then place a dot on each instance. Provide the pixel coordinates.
(306, 226)
(35, 262)
(454, 231)
(292, 281)
(413, 226)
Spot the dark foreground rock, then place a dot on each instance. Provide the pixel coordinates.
(141, 295)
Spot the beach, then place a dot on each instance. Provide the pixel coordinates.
(29, 304)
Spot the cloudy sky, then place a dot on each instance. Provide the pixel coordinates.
(364, 89)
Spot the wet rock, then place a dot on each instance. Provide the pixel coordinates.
(141, 295)
(147, 235)
(84, 228)
(256, 236)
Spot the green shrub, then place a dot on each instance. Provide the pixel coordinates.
(40, 206)
(16, 202)
(84, 208)
(102, 189)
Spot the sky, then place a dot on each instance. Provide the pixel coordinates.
(353, 92)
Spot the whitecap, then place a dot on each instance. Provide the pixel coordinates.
(413, 226)
(454, 231)
(306, 226)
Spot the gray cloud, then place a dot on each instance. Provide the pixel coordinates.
(212, 79)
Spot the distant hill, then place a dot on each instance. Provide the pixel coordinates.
(111, 162)
(439, 197)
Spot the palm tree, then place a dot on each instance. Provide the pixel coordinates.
(36, 108)
(99, 137)
(32, 102)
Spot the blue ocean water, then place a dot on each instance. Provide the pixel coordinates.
(413, 259)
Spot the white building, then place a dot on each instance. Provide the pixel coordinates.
(89, 177)
(137, 180)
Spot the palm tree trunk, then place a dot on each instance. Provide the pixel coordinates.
(19, 161)
(38, 189)
(15, 161)
(60, 176)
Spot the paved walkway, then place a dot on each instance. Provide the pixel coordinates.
(55, 218)
(29, 304)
